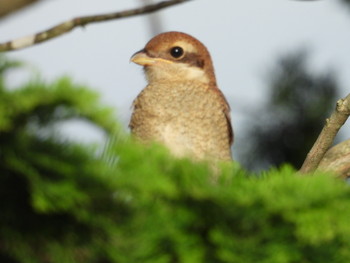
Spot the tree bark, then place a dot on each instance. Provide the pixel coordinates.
(337, 160)
(9, 6)
(327, 135)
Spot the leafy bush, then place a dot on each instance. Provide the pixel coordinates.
(64, 202)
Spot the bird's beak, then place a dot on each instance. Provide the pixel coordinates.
(143, 59)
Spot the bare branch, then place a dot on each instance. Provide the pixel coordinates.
(10, 6)
(327, 135)
(67, 26)
(337, 160)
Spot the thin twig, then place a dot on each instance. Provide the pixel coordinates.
(67, 26)
(327, 135)
(10, 6)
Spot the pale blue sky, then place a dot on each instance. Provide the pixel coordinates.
(245, 37)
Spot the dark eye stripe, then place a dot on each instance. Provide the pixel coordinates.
(193, 59)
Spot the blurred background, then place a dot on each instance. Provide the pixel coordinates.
(282, 65)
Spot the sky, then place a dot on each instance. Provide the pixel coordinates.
(244, 37)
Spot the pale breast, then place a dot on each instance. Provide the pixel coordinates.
(186, 118)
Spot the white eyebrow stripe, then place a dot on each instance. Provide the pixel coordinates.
(186, 46)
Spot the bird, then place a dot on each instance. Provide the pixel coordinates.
(181, 107)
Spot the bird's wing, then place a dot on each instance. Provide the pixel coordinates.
(226, 111)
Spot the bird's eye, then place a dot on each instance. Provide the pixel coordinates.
(176, 52)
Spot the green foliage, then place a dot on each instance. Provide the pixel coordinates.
(63, 202)
(38, 103)
(44, 178)
(181, 215)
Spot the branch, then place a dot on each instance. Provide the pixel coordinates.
(327, 135)
(337, 160)
(67, 26)
(11, 6)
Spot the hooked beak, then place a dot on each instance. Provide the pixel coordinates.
(142, 58)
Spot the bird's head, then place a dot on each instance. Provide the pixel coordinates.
(175, 56)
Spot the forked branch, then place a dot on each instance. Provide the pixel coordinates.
(327, 135)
